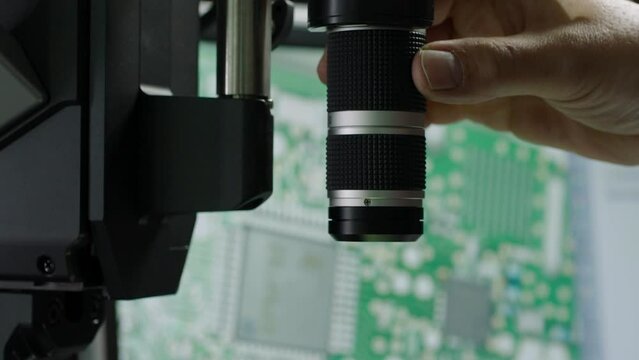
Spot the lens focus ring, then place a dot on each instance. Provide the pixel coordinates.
(375, 162)
(371, 70)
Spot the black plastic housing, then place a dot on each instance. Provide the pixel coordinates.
(376, 224)
(185, 161)
(400, 13)
(104, 181)
(100, 184)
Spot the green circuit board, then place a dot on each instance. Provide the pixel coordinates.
(492, 278)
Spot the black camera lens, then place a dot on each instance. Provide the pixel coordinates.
(376, 148)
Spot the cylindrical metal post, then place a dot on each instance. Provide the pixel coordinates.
(244, 48)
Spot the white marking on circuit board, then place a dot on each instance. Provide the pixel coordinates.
(222, 253)
(245, 350)
(531, 322)
(433, 338)
(379, 345)
(436, 136)
(532, 349)
(503, 344)
(345, 301)
(424, 287)
(466, 261)
(234, 254)
(553, 231)
(556, 351)
(489, 266)
(401, 282)
(412, 257)
(221, 259)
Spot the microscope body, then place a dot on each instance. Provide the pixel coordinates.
(107, 153)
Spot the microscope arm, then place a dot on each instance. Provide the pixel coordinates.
(162, 158)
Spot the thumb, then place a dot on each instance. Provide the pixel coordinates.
(474, 70)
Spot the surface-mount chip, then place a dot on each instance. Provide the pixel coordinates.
(468, 310)
(285, 294)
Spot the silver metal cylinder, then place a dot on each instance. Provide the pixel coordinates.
(375, 122)
(376, 198)
(244, 48)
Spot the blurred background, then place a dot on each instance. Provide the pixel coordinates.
(528, 253)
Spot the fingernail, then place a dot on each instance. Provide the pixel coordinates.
(442, 69)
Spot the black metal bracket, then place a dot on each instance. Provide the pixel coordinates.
(216, 157)
(283, 16)
(103, 182)
(63, 323)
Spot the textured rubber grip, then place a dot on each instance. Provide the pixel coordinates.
(371, 70)
(376, 162)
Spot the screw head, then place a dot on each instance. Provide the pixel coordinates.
(367, 202)
(46, 265)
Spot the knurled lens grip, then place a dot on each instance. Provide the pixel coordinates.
(376, 162)
(371, 70)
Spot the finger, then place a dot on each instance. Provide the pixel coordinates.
(442, 11)
(441, 32)
(467, 71)
(532, 120)
(322, 70)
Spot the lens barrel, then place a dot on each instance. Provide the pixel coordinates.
(376, 148)
(413, 14)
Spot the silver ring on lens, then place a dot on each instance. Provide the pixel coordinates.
(376, 198)
(364, 27)
(376, 122)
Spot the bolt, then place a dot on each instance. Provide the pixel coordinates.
(46, 265)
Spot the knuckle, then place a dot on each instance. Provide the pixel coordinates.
(487, 63)
(578, 67)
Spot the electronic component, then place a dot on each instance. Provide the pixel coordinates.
(286, 291)
(468, 310)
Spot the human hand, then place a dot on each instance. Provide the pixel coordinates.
(562, 73)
